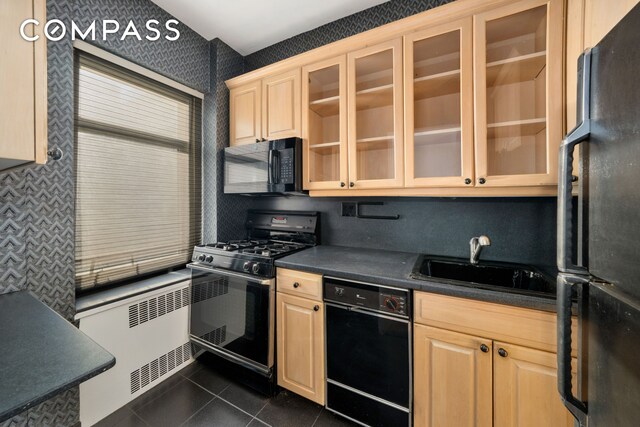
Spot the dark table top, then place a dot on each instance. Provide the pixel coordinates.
(41, 354)
(393, 269)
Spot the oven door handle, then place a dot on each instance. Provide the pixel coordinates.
(247, 277)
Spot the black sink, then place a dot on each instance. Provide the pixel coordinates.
(488, 275)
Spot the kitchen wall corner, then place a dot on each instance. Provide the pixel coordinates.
(223, 215)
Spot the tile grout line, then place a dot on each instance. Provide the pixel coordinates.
(198, 411)
(318, 416)
(206, 389)
(255, 417)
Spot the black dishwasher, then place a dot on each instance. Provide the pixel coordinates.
(368, 352)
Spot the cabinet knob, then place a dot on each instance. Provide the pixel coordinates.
(296, 285)
(484, 348)
(482, 180)
(257, 139)
(502, 352)
(316, 308)
(467, 181)
(351, 184)
(342, 184)
(263, 139)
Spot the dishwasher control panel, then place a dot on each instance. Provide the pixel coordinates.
(369, 296)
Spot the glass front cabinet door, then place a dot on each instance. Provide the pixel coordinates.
(518, 84)
(324, 124)
(439, 106)
(375, 116)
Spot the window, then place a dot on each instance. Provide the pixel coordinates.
(137, 166)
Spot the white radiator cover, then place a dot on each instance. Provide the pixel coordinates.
(149, 336)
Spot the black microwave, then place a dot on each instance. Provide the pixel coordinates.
(268, 167)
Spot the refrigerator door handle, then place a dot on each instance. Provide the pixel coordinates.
(565, 170)
(566, 282)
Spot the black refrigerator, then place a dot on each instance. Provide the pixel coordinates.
(599, 235)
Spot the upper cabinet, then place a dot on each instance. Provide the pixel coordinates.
(281, 105)
(324, 124)
(438, 97)
(375, 117)
(265, 109)
(245, 114)
(461, 100)
(23, 86)
(518, 93)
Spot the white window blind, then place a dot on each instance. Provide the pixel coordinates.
(137, 166)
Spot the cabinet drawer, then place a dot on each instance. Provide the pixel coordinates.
(524, 326)
(307, 285)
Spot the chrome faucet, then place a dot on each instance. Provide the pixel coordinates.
(475, 246)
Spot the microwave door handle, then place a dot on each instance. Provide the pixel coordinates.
(274, 167)
(565, 285)
(565, 172)
(270, 167)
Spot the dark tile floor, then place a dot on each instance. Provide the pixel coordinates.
(200, 396)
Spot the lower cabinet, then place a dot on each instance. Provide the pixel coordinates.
(525, 388)
(300, 341)
(452, 378)
(461, 379)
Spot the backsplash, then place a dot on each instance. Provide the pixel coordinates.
(521, 229)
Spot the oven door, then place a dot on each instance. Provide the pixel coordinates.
(232, 315)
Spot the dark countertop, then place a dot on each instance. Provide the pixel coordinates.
(393, 269)
(41, 354)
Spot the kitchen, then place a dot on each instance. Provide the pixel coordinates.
(361, 218)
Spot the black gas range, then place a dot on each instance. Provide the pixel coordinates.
(232, 311)
(271, 235)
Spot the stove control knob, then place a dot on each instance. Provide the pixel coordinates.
(339, 292)
(256, 268)
(391, 303)
(246, 266)
(209, 258)
(201, 257)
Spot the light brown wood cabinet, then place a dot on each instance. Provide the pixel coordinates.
(353, 120)
(452, 379)
(525, 388)
(466, 374)
(461, 100)
(300, 334)
(438, 96)
(23, 85)
(518, 82)
(265, 109)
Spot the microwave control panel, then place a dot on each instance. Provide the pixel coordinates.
(286, 166)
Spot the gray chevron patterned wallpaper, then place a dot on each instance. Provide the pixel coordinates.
(37, 203)
(340, 29)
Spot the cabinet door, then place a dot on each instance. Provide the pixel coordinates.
(281, 105)
(438, 97)
(245, 115)
(518, 83)
(376, 116)
(324, 124)
(300, 337)
(526, 388)
(452, 379)
(23, 85)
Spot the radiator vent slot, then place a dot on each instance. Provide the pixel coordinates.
(157, 368)
(152, 308)
(209, 289)
(217, 336)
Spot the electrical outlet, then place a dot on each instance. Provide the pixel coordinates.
(349, 208)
